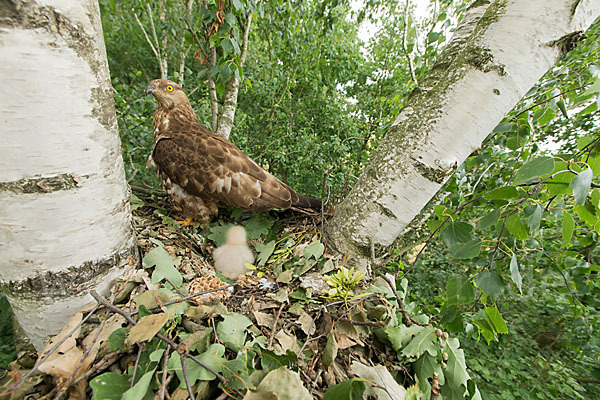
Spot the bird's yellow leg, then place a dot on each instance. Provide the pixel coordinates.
(186, 222)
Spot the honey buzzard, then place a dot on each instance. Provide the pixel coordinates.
(202, 171)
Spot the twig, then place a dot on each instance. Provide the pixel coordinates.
(185, 377)
(48, 354)
(430, 238)
(149, 192)
(137, 361)
(156, 52)
(409, 320)
(323, 202)
(181, 300)
(274, 326)
(163, 72)
(100, 365)
(80, 362)
(309, 341)
(165, 339)
(378, 324)
(161, 392)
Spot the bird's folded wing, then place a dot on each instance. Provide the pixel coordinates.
(212, 168)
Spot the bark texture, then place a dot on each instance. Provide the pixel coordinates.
(499, 51)
(232, 88)
(65, 225)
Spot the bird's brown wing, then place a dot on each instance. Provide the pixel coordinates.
(212, 168)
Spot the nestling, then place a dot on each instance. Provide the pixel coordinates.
(231, 258)
(202, 171)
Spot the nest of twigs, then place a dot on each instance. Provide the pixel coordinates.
(277, 333)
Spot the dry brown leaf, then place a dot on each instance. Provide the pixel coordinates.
(306, 323)
(287, 342)
(263, 319)
(151, 298)
(63, 361)
(204, 311)
(344, 340)
(146, 328)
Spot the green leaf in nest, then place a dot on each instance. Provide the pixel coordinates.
(347, 390)
(424, 341)
(217, 234)
(331, 350)
(109, 386)
(138, 391)
(264, 252)
(232, 330)
(314, 249)
(164, 266)
(258, 225)
(116, 340)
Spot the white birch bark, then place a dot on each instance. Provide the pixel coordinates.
(65, 224)
(499, 51)
(232, 88)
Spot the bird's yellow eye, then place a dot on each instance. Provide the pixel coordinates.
(170, 88)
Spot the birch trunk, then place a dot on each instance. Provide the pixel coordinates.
(65, 225)
(499, 51)
(232, 88)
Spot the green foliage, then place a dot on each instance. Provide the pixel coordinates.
(348, 390)
(520, 219)
(343, 282)
(165, 267)
(7, 345)
(109, 386)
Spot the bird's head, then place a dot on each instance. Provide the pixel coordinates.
(168, 94)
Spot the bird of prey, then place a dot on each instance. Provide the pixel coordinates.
(202, 171)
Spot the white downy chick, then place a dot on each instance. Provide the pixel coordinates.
(231, 258)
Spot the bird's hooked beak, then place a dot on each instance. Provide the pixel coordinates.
(151, 89)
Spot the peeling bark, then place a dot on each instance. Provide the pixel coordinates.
(497, 53)
(65, 224)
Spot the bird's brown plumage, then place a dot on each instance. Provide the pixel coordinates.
(202, 170)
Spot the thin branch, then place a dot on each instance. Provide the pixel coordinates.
(154, 50)
(163, 72)
(185, 377)
(181, 300)
(405, 47)
(170, 342)
(137, 361)
(149, 192)
(161, 392)
(430, 238)
(80, 362)
(100, 365)
(275, 326)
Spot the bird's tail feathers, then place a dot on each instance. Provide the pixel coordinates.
(307, 202)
